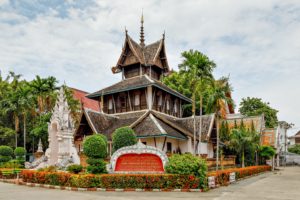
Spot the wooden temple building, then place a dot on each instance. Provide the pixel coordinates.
(141, 101)
(152, 109)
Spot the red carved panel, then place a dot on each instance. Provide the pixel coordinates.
(139, 162)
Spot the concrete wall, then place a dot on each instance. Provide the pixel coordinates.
(292, 158)
(184, 145)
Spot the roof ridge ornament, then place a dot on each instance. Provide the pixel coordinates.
(142, 39)
(126, 32)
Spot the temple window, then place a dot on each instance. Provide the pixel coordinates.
(168, 104)
(110, 104)
(159, 102)
(137, 99)
(123, 103)
(169, 147)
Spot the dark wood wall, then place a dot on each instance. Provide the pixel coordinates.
(135, 70)
(135, 100)
(166, 103)
(125, 101)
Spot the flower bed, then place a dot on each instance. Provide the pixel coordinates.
(222, 176)
(132, 181)
(145, 181)
(8, 173)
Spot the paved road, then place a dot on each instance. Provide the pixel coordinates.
(284, 184)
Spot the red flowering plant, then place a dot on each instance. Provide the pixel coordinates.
(222, 176)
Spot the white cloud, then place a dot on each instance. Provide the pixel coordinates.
(256, 42)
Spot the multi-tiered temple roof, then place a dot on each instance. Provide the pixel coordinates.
(140, 100)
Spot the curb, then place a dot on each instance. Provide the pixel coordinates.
(17, 182)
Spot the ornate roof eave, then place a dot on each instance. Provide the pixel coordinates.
(173, 125)
(119, 64)
(163, 132)
(161, 135)
(138, 87)
(161, 48)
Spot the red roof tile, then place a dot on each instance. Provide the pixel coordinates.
(86, 102)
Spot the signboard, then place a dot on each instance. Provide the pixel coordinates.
(139, 163)
(232, 177)
(211, 182)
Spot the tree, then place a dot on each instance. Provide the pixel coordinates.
(243, 141)
(295, 149)
(123, 137)
(7, 136)
(44, 90)
(95, 148)
(267, 152)
(10, 104)
(217, 103)
(255, 106)
(196, 68)
(195, 73)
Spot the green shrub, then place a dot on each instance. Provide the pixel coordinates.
(295, 149)
(188, 164)
(95, 146)
(147, 181)
(96, 166)
(6, 151)
(48, 169)
(123, 137)
(267, 152)
(20, 153)
(4, 159)
(103, 137)
(85, 181)
(74, 168)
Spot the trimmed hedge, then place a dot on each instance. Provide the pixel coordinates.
(123, 137)
(95, 146)
(222, 176)
(150, 181)
(74, 168)
(6, 153)
(130, 181)
(20, 152)
(8, 173)
(146, 181)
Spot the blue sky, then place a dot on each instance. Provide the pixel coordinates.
(255, 42)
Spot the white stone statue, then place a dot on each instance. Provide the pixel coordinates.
(40, 147)
(61, 151)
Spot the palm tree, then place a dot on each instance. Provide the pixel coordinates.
(10, 104)
(44, 89)
(217, 103)
(198, 68)
(240, 139)
(27, 105)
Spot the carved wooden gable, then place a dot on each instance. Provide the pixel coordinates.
(130, 58)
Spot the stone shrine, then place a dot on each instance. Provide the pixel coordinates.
(61, 149)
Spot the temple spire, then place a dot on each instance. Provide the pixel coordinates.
(142, 40)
